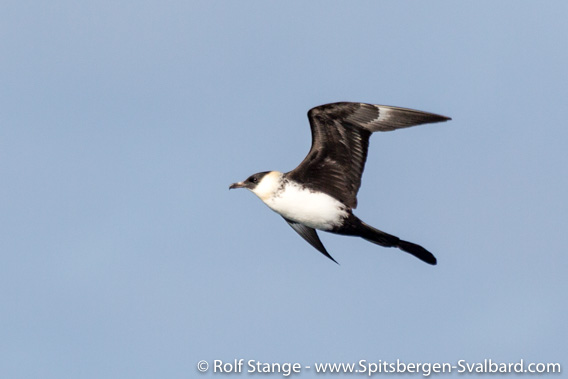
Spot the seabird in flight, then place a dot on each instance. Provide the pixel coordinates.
(321, 192)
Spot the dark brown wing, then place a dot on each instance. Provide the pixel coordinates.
(340, 140)
(310, 235)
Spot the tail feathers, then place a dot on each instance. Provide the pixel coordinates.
(387, 240)
(418, 251)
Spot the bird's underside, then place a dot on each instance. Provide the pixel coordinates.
(322, 191)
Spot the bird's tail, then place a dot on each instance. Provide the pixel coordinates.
(387, 240)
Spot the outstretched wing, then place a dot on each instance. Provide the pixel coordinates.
(340, 140)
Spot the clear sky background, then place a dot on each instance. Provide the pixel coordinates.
(122, 124)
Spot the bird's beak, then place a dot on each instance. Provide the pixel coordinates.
(237, 185)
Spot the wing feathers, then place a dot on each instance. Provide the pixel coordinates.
(309, 235)
(340, 140)
(382, 118)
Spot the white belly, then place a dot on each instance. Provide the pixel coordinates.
(316, 210)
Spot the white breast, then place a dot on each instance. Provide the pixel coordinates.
(314, 209)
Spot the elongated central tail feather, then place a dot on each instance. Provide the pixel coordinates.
(387, 240)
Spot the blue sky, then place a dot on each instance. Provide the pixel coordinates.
(122, 124)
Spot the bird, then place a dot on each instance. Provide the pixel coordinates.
(321, 193)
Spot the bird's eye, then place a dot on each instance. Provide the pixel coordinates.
(253, 179)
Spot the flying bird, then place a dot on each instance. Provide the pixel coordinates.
(321, 192)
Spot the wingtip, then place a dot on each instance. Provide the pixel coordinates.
(441, 118)
(330, 257)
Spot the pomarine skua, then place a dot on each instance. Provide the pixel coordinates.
(321, 192)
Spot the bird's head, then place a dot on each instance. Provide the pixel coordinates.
(262, 184)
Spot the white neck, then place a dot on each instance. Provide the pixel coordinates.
(268, 185)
